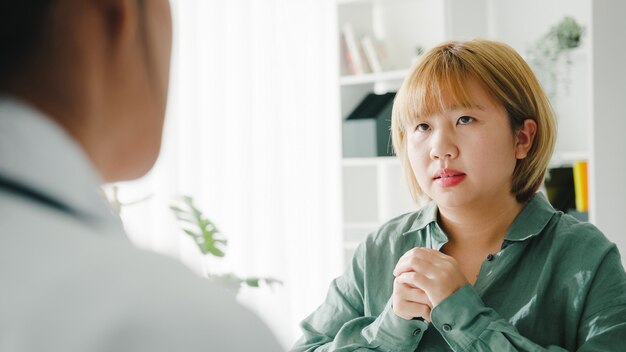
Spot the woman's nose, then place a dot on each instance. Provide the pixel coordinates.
(443, 147)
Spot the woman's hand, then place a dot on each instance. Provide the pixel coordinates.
(430, 271)
(409, 302)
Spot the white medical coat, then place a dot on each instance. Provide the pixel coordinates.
(70, 280)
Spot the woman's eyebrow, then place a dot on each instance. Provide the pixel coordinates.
(451, 108)
(462, 107)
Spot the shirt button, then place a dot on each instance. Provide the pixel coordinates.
(447, 327)
(417, 332)
(490, 257)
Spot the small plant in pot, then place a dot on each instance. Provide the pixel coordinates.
(550, 56)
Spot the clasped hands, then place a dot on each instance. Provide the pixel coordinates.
(424, 278)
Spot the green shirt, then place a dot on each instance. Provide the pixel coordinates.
(556, 284)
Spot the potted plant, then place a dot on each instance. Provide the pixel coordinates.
(550, 56)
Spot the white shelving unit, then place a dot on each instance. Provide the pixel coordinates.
(402, 26)
(373, 78)
(374, 189)
(390, 197)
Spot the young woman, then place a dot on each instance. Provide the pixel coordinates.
(488, 264)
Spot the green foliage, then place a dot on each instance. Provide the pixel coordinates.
(550, 52)
(568, 34)
(199, 228)
(211, 241)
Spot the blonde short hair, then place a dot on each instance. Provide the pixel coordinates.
(437, 81)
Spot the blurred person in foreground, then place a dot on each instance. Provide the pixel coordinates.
(83, 91)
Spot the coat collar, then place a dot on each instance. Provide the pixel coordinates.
(38, 154)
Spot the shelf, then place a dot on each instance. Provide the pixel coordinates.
(348, 2)
(370, 78)
(567, 159)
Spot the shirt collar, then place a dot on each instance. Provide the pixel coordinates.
(529, 222)
(424, 217)
(37, 153)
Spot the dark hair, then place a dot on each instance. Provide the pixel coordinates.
(22, 26)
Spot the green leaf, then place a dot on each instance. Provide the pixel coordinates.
(203, 249)
(252, 282)
(187, 220)
(191, 233)
(215, 251)
(202, 230)
(255, 281)
(176, 209)
(196, 213)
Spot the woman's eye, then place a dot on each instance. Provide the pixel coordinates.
(422, 127)
(464, 120)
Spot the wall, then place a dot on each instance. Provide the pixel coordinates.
(608, 169)
(520, 24)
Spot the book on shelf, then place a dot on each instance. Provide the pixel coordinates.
(352, 51)
(580, 186)
(371, 54)
(566, 188)
(559, 184)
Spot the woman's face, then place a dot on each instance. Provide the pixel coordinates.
(464, 157)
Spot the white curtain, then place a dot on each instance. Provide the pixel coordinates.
(253, 134)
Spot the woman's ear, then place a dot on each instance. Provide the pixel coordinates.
(524, 137)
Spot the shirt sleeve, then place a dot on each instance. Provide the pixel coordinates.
(468, 325)
(340, 324)
(603, 326)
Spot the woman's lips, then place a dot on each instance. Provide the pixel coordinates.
(448, 177)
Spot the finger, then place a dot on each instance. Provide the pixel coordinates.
(418, 257)
(427, 253)
(410, 293)
(416, 263)
(406, 286)
(415, 280)
(427, 276)
(437, 284)
(405, 262)
(408, 254)
(433, 252)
